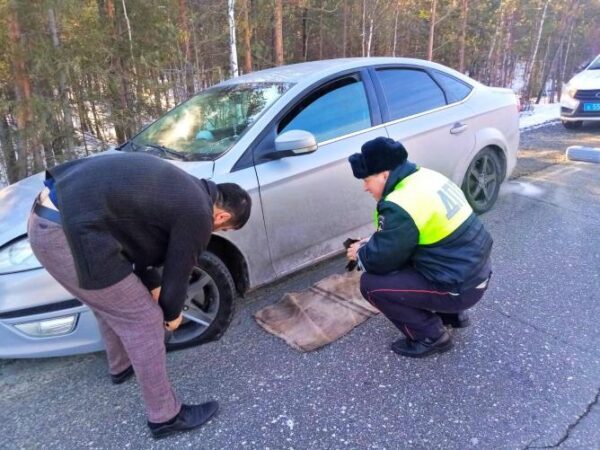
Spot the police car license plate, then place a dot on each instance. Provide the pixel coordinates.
(590, 107)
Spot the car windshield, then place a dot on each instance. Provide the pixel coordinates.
(210, 123)
(595, 65)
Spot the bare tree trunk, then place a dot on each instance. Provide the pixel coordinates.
(463, 35)
(8, 151)
(527, 77)
(278, 32)
(97, 122)
(431, 30)
(128, 32)
(370, 40)
(564, 68)
(156, 93)
(247, 37)
(233, 59)
(490, 66)
(196, 65)
(565, 22)
(321, 35)
(305, 33)
(188, 77)
(395, 39)
(117, 82)
(501, 72)
(62, 84)
(22, 93)
(345, 28)
(167, 81)
(364, 13)
(405, 34)
(556, 73)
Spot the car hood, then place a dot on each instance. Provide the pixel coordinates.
(16, 200)
(588, 79)
(15, 204)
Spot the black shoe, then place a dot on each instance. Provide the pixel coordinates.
(425, 347)
(190, 417)
(122, 377)
(455, 320)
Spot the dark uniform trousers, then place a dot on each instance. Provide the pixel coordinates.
(411, 301)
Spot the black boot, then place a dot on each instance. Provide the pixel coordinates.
(123, 376)
(455, 320)
(419, 349)
(190, 417)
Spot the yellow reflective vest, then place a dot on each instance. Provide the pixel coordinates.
(435, 216)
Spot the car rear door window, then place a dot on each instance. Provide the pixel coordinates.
(337, 109)
(455, 89)
(409, 91)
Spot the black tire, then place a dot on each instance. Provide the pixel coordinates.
(211, 298)
(482, 180)
(569, 125)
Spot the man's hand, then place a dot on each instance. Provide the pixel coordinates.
(155, 293)
(352, 252)
(174, 324)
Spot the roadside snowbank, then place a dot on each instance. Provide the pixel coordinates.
(541, 115)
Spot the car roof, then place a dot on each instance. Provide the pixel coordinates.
(309, 71)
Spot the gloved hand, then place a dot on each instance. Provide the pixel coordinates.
(352, 263)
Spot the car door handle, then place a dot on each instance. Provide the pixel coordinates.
(458, 128)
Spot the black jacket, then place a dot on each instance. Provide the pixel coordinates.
(456, 263)
(127, 211)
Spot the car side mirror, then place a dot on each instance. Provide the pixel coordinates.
(293, 143)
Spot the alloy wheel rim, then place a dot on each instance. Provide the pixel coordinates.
(482, 181)
(200, 308)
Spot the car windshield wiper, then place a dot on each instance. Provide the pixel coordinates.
(135, 147)
(172, 154)
(200, 157)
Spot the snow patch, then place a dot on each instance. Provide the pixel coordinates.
(521, 188)
(541, 115)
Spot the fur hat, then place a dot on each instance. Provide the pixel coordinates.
(376, 156)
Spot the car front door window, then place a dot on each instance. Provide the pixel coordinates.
(336, 110)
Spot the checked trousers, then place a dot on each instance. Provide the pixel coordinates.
(131, 323)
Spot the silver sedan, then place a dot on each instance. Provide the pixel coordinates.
(284, 134)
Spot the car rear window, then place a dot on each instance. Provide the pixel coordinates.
(409, 91)
(455, 89)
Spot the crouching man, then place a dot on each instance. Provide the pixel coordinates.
(429, 259)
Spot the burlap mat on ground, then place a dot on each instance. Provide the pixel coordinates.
(315, 317)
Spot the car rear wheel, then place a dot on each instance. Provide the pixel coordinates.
(482, 181)
(570, 125)
(209, 306)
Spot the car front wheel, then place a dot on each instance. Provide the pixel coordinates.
(209, 306)
(482, 181)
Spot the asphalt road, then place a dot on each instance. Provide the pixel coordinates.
(526, 374)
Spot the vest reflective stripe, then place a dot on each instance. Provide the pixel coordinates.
(436, 216)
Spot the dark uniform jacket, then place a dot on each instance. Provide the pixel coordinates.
(126, 212)
(455, 263)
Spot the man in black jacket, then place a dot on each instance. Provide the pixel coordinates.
(429, 259)
(101, 227)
